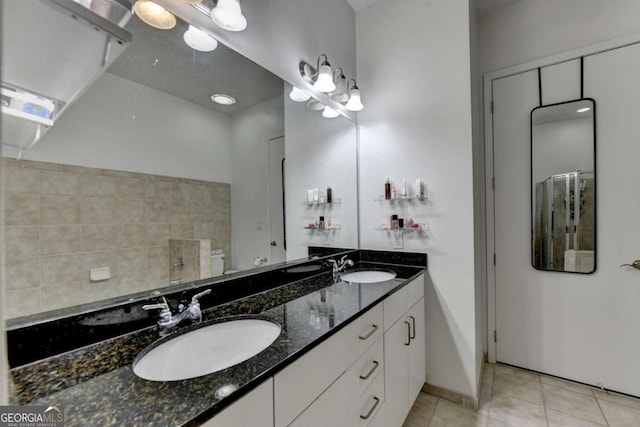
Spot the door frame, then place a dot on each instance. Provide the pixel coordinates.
(488, 146)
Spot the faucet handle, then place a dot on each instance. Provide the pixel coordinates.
(164, 306)
(343, 258)
(196, 297)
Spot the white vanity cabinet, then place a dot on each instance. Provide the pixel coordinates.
(325, 388)
(404, 350)
(253, 410)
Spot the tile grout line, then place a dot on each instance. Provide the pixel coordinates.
(544, 401)
(600, 407)
(434, 412)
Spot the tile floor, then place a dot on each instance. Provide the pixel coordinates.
(518, 398)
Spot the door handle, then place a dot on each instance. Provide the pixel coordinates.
(408, 333)
(413, 323)
(367, 335)
(273, 243)
(635, 264)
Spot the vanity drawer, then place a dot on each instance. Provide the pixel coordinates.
(305, 379)
(367, 405)
(398, 303)
(366, 369)
(362, 333)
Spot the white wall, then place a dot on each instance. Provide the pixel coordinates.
(121, 125)
(414, 72)
(251, 130)
(319, 153)
(534, 29)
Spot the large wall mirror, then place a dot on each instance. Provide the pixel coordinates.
(563, 187)
(144, 176)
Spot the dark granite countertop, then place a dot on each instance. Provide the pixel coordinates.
(97, 386)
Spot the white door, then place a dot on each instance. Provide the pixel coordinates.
(581, 327)
(277, 252)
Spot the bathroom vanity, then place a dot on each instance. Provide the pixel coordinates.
(347, 354)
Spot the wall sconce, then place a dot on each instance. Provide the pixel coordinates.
(299, 95)
(320, 77)
(154, 15)
(197, 39)
(228, 15)
(329, 113)
(315, 105)
(354, 103)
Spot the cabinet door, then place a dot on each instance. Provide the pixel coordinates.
(253, 410)
(416, 351)
(328, 410)
(396, 373)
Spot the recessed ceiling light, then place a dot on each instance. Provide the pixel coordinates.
(221, 98)
(583, 110)
(154, 15)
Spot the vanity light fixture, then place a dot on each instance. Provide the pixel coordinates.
(299, 95)
(154, 15)
(340, 94)
(329, 113)
(324, 78)
(228, 15)
(197, 39)
(583, 110)
(355, 103)
(223, 99)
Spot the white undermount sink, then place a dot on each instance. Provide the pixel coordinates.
(368, 276)
(206, 350)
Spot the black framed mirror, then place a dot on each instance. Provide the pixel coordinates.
(563, 187)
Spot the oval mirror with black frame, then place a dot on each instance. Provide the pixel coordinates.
(563, 187)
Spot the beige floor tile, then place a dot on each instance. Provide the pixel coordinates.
(620, 415)
(568, 385)
(560, 419)
(493, 422)
(517, 386)
(449, 414)
(422, 410)
(485, 400)
(617, 398)
(569, 402)
(517, 412)
(508, 370)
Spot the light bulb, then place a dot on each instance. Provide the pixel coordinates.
(354, 104)
(228, 15)
(223, 99)
(199, 40)
(329, 113)
(298, 95)
(324, 81)
(154, 15)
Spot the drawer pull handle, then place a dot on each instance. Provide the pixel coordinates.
(373, 408)
(413, 322)
(408, 333)
(368, 374)
(368, 334)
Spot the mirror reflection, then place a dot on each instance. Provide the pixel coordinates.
(145, 183)
(563, 187)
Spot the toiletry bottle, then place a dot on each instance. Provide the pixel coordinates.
(387, 189)
(321, 223)
(394, 222)
(400, 223)
(310, 196)
(418, 189)
(394, 193)
(404, 189)
(329, 198)
(322, 200)
(315, 196)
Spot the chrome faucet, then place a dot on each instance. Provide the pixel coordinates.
(168, 320)
(338, 267)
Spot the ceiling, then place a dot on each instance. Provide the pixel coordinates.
(481, 5)
(161, 60)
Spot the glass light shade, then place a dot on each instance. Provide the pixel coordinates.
(228, 15)
(340, 94)
(154, 15)
(324, 81)
(329, 113)
(298, 95)
(354, 104)
(199, 40)
(223, 99)
(315, 105)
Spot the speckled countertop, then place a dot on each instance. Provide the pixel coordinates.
(97, 386)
